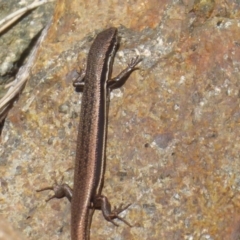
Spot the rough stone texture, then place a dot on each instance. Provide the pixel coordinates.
(173, 135)
(7, 232)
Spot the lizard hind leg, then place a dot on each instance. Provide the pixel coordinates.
(101, 203)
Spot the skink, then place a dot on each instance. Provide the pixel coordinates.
(91, 141)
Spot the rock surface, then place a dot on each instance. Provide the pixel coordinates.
(173, 134)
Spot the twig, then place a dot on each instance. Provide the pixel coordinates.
(19, 82)
(11, 18)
